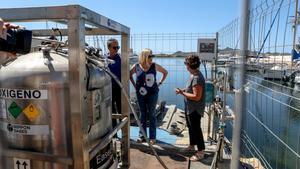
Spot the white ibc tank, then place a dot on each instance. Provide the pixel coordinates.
(34, 106)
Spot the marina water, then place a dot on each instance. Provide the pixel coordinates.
(271, 123)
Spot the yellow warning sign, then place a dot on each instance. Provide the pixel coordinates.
(31, 112)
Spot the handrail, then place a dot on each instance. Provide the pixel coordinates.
(215, 159)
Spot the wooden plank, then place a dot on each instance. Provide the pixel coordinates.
(179, 119)
(168, 117)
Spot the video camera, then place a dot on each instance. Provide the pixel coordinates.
(18, 41)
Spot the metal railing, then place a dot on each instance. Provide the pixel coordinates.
(274, 108)
(271, 130)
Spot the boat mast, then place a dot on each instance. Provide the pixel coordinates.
(295, 24)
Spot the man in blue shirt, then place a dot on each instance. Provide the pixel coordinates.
(113, 47)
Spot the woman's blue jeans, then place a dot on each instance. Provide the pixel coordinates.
(147, 106)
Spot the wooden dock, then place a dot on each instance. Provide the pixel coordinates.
(142, 157)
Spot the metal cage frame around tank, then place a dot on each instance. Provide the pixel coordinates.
(76, 18)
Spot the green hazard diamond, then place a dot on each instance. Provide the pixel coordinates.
(14, 110)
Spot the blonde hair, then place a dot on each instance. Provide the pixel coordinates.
(144, 56)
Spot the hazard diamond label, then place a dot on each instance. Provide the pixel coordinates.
(14, 110)
(31, 112)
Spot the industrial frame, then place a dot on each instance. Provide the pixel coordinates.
(78, 18)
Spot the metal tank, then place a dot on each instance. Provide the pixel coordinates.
(34, 106)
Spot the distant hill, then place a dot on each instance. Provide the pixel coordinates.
(225, 51)
(231, 51)
(176, 54)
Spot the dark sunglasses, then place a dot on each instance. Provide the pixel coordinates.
(151, 56)
(116, 47)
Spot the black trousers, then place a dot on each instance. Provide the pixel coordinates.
(116, 103)
(196, 136)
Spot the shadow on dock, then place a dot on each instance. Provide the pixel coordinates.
(143, 158)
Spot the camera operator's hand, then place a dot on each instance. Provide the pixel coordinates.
(4, 56)
(3, 30)
(14, 39)
(4, 26)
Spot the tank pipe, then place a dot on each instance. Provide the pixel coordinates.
(49, 40)
(101, 66)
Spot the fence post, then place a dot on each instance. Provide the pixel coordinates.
(240, 100)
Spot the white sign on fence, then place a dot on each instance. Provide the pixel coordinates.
(207, 49)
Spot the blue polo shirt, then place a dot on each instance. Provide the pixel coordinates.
(115, 68)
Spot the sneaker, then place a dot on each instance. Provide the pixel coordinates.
(152, 141)
(188, 149)
(141, 140)
(197, 156)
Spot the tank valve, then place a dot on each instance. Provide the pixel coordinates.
(46, 54)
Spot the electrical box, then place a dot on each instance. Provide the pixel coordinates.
(207, 49)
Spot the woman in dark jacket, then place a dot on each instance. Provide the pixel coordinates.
(194, 97)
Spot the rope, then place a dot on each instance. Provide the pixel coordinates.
(264, 20)
(286, 23)
(254, 25)
(262, 46)
(260, 36)
(271, 17)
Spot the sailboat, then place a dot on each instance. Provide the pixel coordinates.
(284, 71)
(295, 76)
(277, 72)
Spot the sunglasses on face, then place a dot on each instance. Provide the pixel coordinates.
(116, 47)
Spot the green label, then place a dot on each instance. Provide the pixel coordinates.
(14, 110)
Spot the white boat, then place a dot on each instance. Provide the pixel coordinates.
(253, 66)
(297, 73)
(226, 61)
(274, 73)
(133, 58)
(297, 78)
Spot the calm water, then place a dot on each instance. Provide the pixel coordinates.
(279, 112)
(272, 119)
(177, 77)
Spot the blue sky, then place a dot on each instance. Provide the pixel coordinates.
(161, 16)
